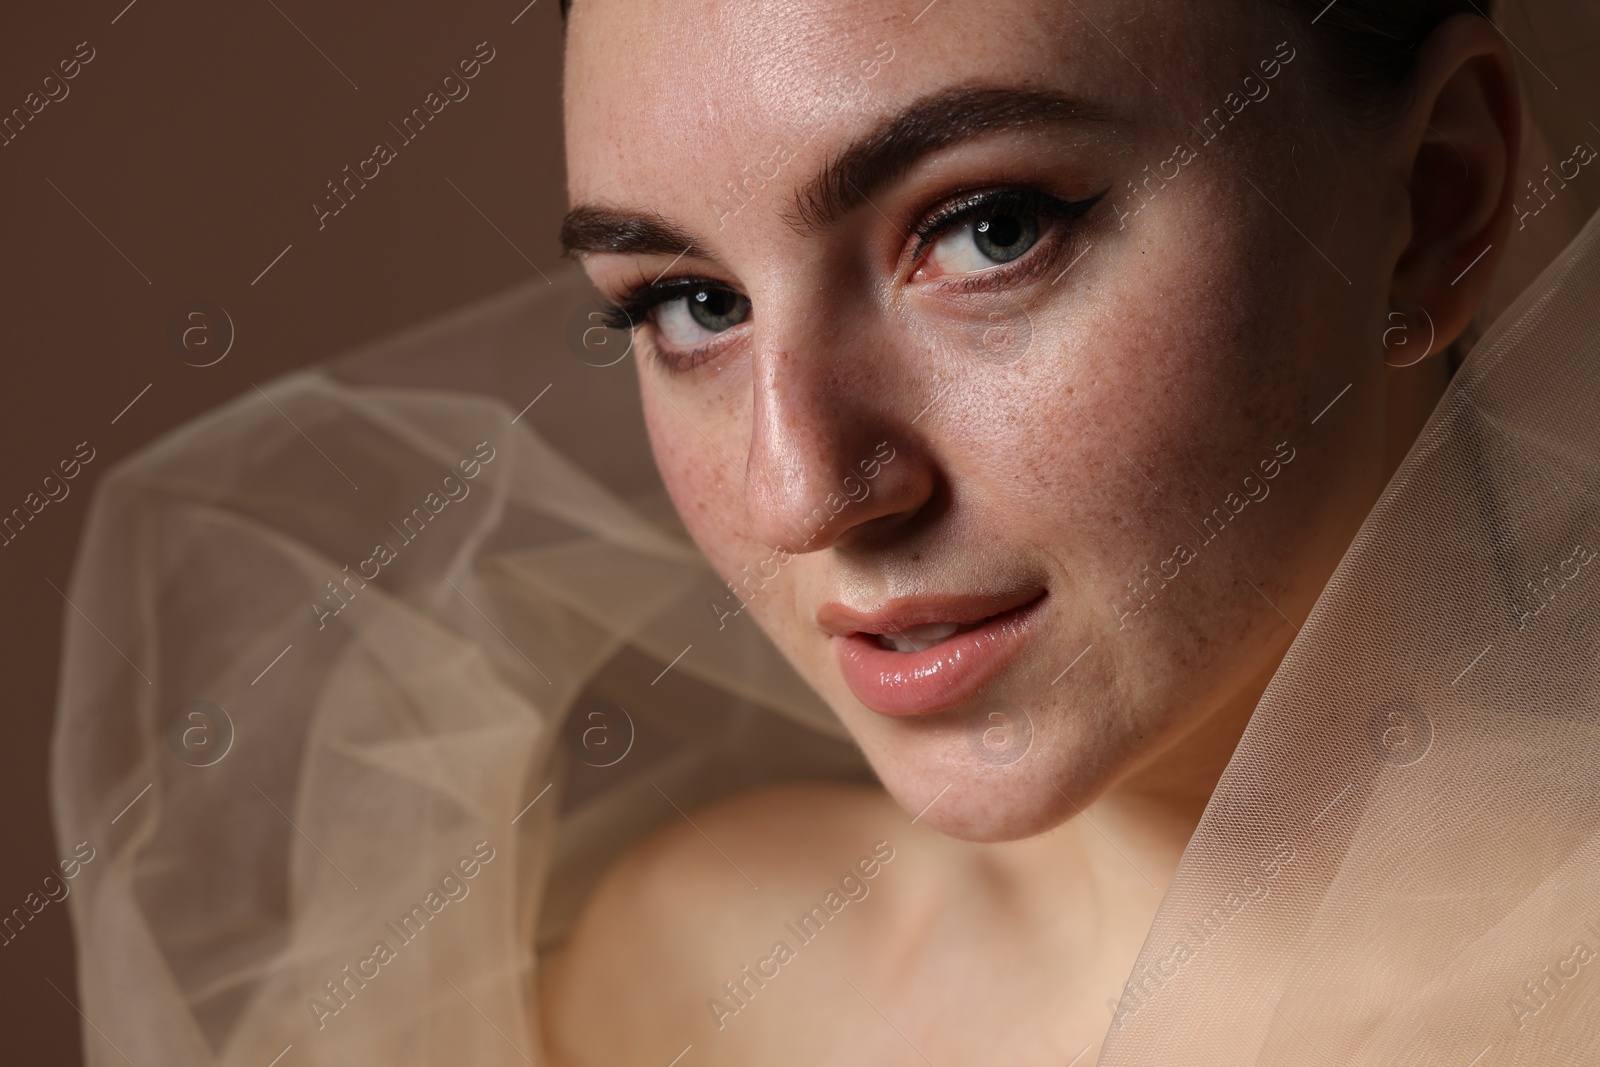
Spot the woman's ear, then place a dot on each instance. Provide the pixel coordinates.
(1457, 149)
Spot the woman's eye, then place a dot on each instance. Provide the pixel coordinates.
(985, 241)
(691, 320)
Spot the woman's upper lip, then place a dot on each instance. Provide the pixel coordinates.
(902, 613)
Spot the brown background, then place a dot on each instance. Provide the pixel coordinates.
(196, 141)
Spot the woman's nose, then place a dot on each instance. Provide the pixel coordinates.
(832, 453)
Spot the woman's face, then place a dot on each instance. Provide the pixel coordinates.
(991, 357)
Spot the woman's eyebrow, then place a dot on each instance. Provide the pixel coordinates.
(866, 165)
(883, 155)
(590, 228)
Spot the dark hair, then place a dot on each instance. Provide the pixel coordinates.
(1367, 48)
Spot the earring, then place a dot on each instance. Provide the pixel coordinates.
(1409, 335)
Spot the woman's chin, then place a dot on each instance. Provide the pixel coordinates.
(965, 797)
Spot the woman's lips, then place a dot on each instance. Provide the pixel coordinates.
(987, 633)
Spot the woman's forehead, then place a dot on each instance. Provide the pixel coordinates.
(684, 92)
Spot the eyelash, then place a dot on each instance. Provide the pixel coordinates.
(634, 309)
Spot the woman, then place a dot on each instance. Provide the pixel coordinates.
(1185, 232)
(1024, 373)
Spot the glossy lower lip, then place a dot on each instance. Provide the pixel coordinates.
(903, 684)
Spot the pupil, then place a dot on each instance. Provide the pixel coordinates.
(1003, 238)
(714, 302)
(717, 309)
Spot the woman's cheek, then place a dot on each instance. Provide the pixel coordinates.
(711, 503)
(696, 478)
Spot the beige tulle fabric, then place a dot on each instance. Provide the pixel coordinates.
(1401, 864)
(374, 671)
(392, 713)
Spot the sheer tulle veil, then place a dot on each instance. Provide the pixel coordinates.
(381, 711)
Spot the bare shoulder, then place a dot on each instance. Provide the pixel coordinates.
(682, 912)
